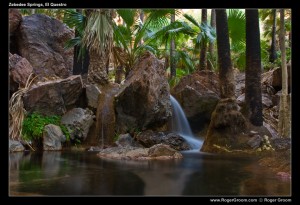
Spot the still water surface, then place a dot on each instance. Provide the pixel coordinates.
(83, 173)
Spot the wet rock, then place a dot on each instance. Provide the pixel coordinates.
(106, 116)
(143, 101)
(198, 95)
(159, 151)
(53, 97)
(162, 150)
(125, 140)
(255, 141)
(226, 128)
(15, 18)
(281, 144)
(15, 146)
(41, 40)
(19, 71)
(78, 121)
(53, 137)
(149, 138)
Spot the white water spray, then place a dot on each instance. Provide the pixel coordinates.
(181, 126)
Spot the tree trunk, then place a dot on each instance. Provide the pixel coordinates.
(253, 97)
(97, 72)
(284, 124)
(273, 54)
(80, 65)
(142, 20)
(97, 69)
(172, 52)
(211, 47)
(227, 86)
(203, 55)
(119, 74)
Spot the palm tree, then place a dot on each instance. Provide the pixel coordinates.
(273, 54)
(172, 51)
(227, 86)
(211, 49)
(202, 33)
(77, 19)
(284, 124)
(203, 58)
(253, 97)
(98, 38)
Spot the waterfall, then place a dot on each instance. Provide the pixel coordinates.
(181, 126)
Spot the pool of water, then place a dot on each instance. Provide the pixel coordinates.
(84, 174)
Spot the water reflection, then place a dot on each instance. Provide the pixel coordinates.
(83, 173)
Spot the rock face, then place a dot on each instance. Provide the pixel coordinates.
(14, 19)
(106, 116)
(53, 97)
(19, 71)
(143, 102)
(150, 138)
(15, 146)
(41, 41)
(198, 95)
(52, 138)
(78, 121)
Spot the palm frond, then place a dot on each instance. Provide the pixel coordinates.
(75, 19)
(98, 31)
(192, 20)
(237, 26)
(127, 15)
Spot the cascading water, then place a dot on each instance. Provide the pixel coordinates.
(181, 126)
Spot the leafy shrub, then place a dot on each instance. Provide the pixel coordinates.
(33, 126)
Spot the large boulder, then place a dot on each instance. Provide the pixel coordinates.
(274, 78)
(198, 95)
(41, 40)
(15, 18)
(19, 71)
(149, 138)
(53, 97)
(143, 102)
(78, 121)
(52, 138)
(92, 95)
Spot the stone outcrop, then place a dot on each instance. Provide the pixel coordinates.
(41, 40)
(143, 101)
(19, 71)
(149, 138)
(52, 138)
(198, 95)
(53, 97)
(226, 128)
(15, 18)
(78, 121)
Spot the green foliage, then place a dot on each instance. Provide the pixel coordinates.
(179, 74)
(33, 126)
